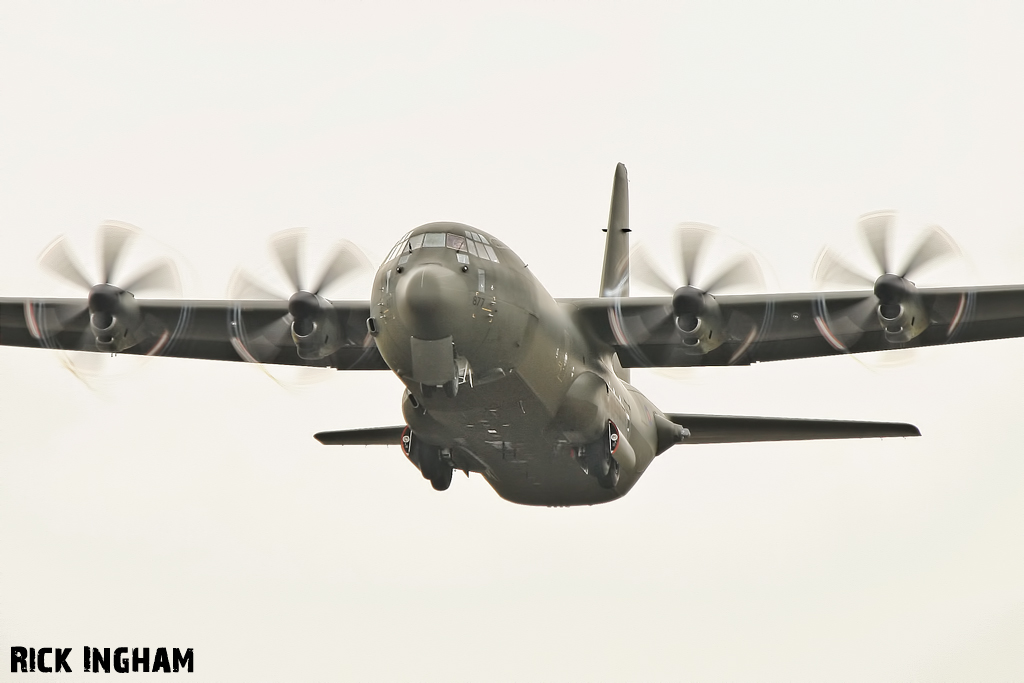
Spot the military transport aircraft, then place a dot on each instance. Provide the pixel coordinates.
(530, 391)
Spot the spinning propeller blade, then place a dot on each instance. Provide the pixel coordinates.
(696, 283)
(112, 239)
(286, 247)
(888, 285)
(58, 259)
(264, 342)
(691, 241)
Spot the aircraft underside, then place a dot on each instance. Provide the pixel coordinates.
(494, 430)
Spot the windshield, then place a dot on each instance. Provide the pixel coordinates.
(472, 242)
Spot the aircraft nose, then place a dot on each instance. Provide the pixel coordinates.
(427, 297)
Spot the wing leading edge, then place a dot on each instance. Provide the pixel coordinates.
(767, 327)
(211, 330)
(736, 429)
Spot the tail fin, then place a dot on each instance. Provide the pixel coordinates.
(615, 275)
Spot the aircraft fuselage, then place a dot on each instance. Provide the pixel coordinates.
(498, 376)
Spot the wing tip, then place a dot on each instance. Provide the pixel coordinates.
(909, 429)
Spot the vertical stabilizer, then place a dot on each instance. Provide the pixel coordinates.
(615, 275)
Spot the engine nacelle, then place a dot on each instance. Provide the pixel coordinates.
(901, 312)
(698, 318)
(114, 318)
(902, 322)
(315, 329)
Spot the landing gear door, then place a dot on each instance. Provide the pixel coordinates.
(433, 361)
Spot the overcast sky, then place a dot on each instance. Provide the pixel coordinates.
(185, 504)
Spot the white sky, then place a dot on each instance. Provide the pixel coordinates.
(186, 504)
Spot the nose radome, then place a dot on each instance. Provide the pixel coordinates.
(427, 298)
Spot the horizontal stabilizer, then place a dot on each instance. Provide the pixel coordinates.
(374, 436)
(736, 429)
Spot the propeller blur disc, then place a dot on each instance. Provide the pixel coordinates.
(262, 330)
(885, 250)
(695, 262)
(128, 260)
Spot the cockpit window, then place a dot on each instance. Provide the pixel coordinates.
(398, 247)
(473, 242)
(433, 239)
(478, 246)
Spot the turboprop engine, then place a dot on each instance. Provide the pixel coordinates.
(312, 322)
(696, 313)
(315, 329)
(900, 309)
(115, 321)
(894, 301)
(114, 318)
(699, 319)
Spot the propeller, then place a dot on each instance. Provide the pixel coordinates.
(109, 295)
(306, 303)
(693, 282)
(891, 285)
(692, 277)
(112, 239)
(691, 241)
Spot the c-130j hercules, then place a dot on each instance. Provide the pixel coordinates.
(530, 391)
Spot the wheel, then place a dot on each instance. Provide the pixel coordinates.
(428, 467)
(427, 458)
(428, 390)
(610, 476)
(598, 463)
(442, 478)
(451, 388)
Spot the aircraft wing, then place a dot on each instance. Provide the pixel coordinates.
(765, 327)
(213, 330)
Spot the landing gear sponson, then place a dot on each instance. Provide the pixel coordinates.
(598, 457)
(433, 462)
